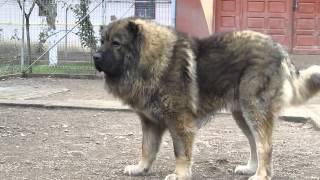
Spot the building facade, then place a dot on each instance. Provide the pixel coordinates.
(293, 23)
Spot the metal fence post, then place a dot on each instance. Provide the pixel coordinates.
(173, 12)
(103, 16)
(66, 38)
(22, 39)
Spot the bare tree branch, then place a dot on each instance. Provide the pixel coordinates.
(49, 9)
(40, 3)
(27, 26)
(32, 6)
(18, 1)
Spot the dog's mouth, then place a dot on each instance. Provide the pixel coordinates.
(98, 68)
(104, 64)
(97, 57)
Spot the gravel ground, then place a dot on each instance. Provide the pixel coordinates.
(81, 144)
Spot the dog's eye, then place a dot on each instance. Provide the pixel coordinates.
(115, 43)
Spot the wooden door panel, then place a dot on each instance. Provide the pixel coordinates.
(270, 17)
(306, 27)
(228, 15)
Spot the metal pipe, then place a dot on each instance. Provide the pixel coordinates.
(66, 39)
(22, 38)
(173, 12)
(103, 20)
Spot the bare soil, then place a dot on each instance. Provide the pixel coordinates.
(80, 89)
(81, 144)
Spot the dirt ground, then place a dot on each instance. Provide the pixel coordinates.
(82, 89)
(83, 144)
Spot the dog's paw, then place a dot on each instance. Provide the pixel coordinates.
(259, 178)
(171, 177)
(176, 177)
(245, 170)
(135, 170)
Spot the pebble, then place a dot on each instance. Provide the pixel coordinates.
(230, 171)
(96, 173)
(76, 153)
(222, 161)
(28, 162)
(119, 137)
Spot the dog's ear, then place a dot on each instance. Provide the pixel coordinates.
(137, 37)
(133, 27)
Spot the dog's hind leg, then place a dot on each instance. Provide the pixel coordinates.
(151, 140)
(260, 103)
(261, 124)
(252, 164)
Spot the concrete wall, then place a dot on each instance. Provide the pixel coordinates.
(195, 17)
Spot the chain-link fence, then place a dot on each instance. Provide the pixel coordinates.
(50, 22)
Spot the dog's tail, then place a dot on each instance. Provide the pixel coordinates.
(302, 86)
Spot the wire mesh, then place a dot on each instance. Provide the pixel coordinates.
(72, 57)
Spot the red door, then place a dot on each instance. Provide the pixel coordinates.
(267, 16)
(270, 17)
(228, 15)
(306, 26)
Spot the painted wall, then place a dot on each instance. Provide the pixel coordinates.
(195, 17)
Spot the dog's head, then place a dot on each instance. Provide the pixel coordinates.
(120, 48)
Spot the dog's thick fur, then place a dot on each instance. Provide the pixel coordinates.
(174, 82)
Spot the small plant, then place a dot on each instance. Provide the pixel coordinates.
(86, 32)
(15, 35)
(43, 36)
(1, 31)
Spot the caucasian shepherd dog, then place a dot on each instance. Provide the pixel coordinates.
(174, 82)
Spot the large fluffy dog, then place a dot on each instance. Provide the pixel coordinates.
(174, 82)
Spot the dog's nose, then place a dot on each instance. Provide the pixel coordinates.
(97, 57)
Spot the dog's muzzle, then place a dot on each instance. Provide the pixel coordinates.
(97, 58)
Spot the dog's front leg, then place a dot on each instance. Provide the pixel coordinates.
(183, 130)
(152, 135)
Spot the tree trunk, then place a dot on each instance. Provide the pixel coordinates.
(28, 42)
